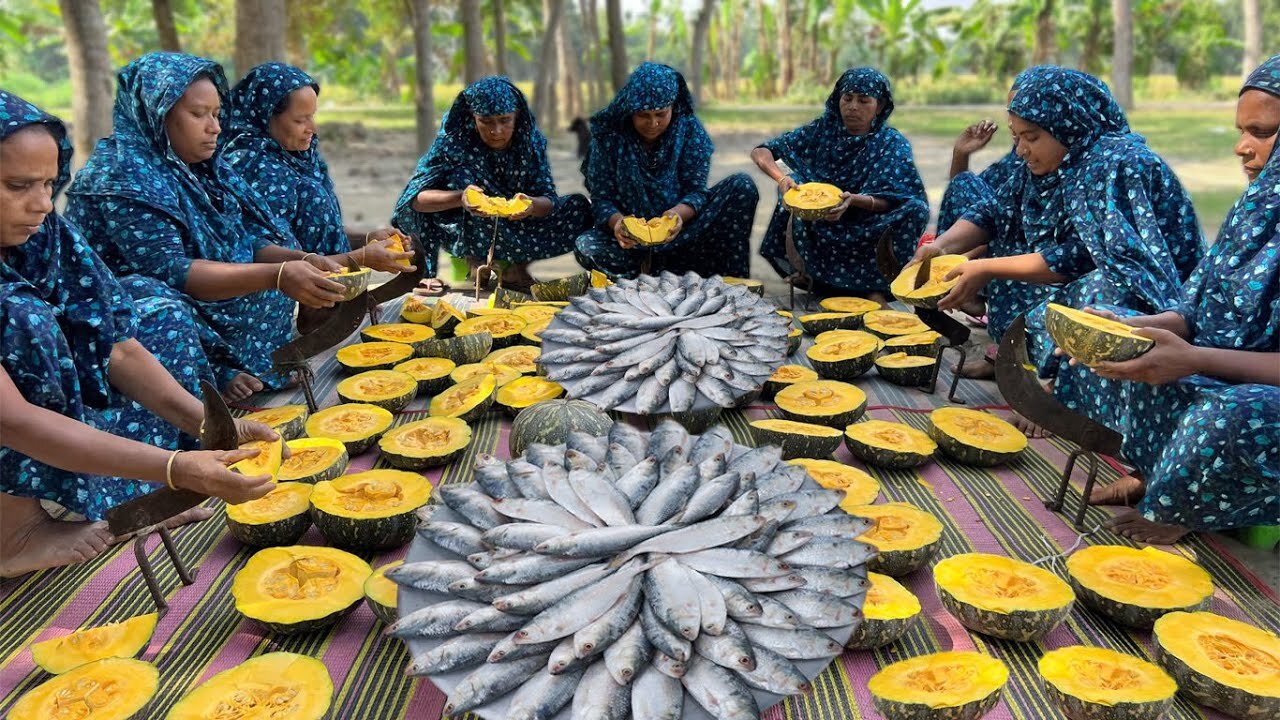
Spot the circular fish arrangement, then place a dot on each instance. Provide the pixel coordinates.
(672, 575)
(671, 343)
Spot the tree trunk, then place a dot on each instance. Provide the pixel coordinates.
(298, 16)
(762, 48)
(1044, 34)
(165, 27)
(544, 86)
(1091, 52)
(1122, 57)
(499, 37)
(91, 76)
(474, 64)
(260, 31)
(735, 47)
(651, 42)
(591, 33)
(569, 81)
(701, 27)
(618, 69)
(1252, 35)
(783, 10)
(423, 96)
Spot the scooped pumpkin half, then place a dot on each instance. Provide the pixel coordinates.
(974, 437)
(844, 358)
(502, 374)
(953, 685)
(889, 444)
(649, 231)
(281, 517)
(354, 282)
(274, 685)
(299, 588)
(521, 357)
(907, 370)
(356, 425)
(432, 373)
(382, 594)
(504, 327)
(891, 323)
(288, 420)
(426, 443)
(812, 200)
(787, 375)
(467, 400)
(1136, 587)
(391, 390)
(107, 689)
(1220, 662)
(410, 334)
(378, 355)
(1001, 596)
(414, 310)
(445, 317)
(121, 640)
(935, 287)
(928, 343)
(796, 439)
(527, 391)
(312, 460)
(887, 613)
(905, 535)
(856, 305)
(371, 510)
(1094, 683)
(822, 402)
(754, 286)
(859, 487)
(1092, 339)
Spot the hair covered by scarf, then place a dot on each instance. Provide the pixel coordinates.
(1074, 107)
(863, 81)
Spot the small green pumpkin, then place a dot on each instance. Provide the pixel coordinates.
(281, 517)
(550, 423)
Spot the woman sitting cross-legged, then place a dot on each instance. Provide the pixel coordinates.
(490, 141)
(88, 417)
(649, 158)
(852, 147)
(168, 215)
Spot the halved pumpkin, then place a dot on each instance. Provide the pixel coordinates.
(445, 317)
(426, 443)
(415, 311)
(812, 200)
(797, 439)
(372, 356)
(356, 425)
(927, 343)
(408, 333)
(845, 358)
(1221, 663)
(857, 305)
(1002, 597)
(889, 444)
(649, 231)
(794, 335)
(859, 487)
(354, 282)
(754, 286)
(887, 613)
(1136, 586)
(124, 639)
(907, 370)
(1094, 683)
(432, 373)
(502, 374)
(905, 535)
(467, 400)
(266, 462)
(563, 288)
(504, 328)
(1092, 339)
(313, 460)
(823, 402)
(496, 206)
(108, 689)
(389, 389)
(526, 391)
(371, 510)
(288, 420)
(521, 357)
(836, 335)
(934, 289)
(382, 595)
(890, 323)
(952, 685)
(534, 312)
(299, 588)
(281, 517)
(974, 437)
(274, 685)
(532, 332)
(816, 323)
(507, 299)
(461, 349)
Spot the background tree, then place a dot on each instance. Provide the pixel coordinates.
(595, 55)
(166, 28)
(544, 87)
(1253, 35)
(499, 37)
(91, 74)
(260, 30)
(618, 68)
(423, 87)
(1122, 53)
(571, 105)
(474, 63)
(701, 28)
(783, 14)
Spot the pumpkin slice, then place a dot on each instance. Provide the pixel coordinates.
(823, 402)
(407, 333)
(890, 323)
(817, 323)
(373, 356)
(527, 391)
(382, 594)
(551, 421)
(1093, 683)
(532, 332)
(794, 335)
(504, 328)
(797, 439)
(812, 200)
(521, 357)
(507, 299)
(371, 510)
(836, 335)
(461, 349)
(426, 443)
(389, 389)
(859, 487)
(288, 420)
(888, 613)
(467, 400)
(953, 685)
(650, 231)
(535, 312)
(356, 425)
(496, 206)
(907, 370)
(857, 305)
(754, 286)
(432, 373)
(117, 640)
(1136, 586)
(502, 374)
(1092, 339)
(563, 288)
(905, 535)
(1002, 597)
(354, 282)
(274, 685)
(1222, 663)
(974, 437)
(266, 462)
(281, 517)
(889, 444)
(846, 358)
(312, 460)
(108, 689)
(934, 289)
(398, 243)
(299, 588)
(414, 310)
(600, 280)
(445, 317)
(928, 343)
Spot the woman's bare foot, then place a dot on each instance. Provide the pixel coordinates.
(30, 540)
(981, 369)
(1136, 527)
(431, 287)
(1125, 491)
(1028, 428)
(974, 308)
(878, 297)
(241, 387)
(517, 277)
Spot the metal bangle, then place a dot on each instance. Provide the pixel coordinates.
(168, 469)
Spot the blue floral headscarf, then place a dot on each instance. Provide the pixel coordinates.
(253, 102)
(56, 267)
(1232, 300)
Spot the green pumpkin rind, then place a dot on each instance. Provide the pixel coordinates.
(871, 634)
(354, 284)
(698, 421)
(844, 369)
(393, 404)
(896, 563)
(462, 350)
(892, 710)
(563, 288)
(796, 444)
(1019, 625)
(812, 324)
(914, 376)
(1080, 709)
(924, 349)
(968, 454)
(1091, 345)
(506, 298)
(283, 531)
(550, 423)
(419, 461)
(365, 534)
(1201, 688)
(1128, 614)
(793, 340)
(882, 457)
(291, 429)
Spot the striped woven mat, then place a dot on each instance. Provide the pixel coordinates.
(997, 511)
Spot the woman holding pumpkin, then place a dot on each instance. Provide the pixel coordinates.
(649, 158)
(852, 147)
(489, 141)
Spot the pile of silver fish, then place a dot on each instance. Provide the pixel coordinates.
(615, 575)
(664, 341)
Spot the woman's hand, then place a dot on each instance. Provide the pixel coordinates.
(620, 234)
(1171, 359)
(926, 251)
(675, 214)
(206, 472)
(466, 203)
(307, 284)
(378, 255)
(527, 212)
(786, 182)
(974, 138)
(837, 212)
(971, 277)
(322, 263)
(249, 431)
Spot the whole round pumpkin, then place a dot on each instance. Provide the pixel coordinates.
(550, 423)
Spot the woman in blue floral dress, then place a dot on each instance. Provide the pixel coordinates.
(88, 417)
(1203, 429)
(852, 147)
(490, 140)
(650, 156)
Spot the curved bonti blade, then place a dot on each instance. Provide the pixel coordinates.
(956, 332)
(886, 262)
(405, 282)
(345, 317)
(1024, 393)
(217, 432)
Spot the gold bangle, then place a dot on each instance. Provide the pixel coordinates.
(168, 469)
(279, 273)
(304, 257)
